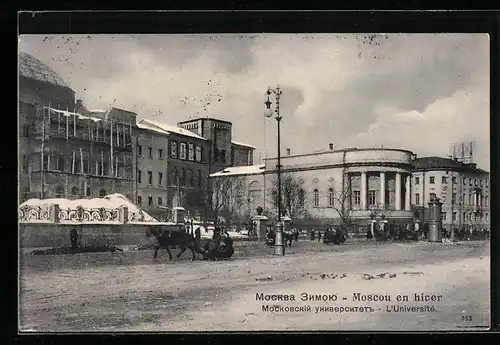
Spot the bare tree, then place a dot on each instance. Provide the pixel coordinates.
(342, 205)
(224, 199)
(293, 195)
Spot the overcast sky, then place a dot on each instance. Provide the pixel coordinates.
(415, 92)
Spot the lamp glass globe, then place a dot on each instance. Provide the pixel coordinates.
(268, 113)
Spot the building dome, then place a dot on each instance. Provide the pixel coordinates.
(31, 67)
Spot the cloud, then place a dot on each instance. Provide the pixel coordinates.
(336, 88)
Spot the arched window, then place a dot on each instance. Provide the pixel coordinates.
(331, 197)
(87, 192)
(316, 198)
(301, 197)
(182, 178)
(102, 193)
(75, 191)
(191, 177)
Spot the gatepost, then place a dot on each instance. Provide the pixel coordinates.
(435, 223)
(260, 224)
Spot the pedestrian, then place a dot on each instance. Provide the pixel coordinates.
(313, 235)
(74, 239)
(319, 236)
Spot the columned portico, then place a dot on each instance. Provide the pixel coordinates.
(398, 191)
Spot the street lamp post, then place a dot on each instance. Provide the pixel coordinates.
(279, 248)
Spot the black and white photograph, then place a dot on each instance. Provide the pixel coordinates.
(254, 182)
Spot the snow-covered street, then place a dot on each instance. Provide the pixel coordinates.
(128, 291)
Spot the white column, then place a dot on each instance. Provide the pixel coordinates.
(382, 189)
(407, 193)
(363, 190)
(398, 191)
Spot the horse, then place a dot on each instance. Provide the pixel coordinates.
(172, 238)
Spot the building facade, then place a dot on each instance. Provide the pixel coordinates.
(361, 184)
(172, 165)
(463, 189)
(66, 150)
(223, 152)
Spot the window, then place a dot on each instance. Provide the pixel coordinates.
(160, 153)
(150, 177)
(173, 149)
(199, 178)
(431, 179)
(139, 200)
(454, 180)
(481, 183)
(160, 179)
(150, 200)
(372, 197)
(150, 152)
(443, 180)
(486, 183)
(59, 163)
(443, 215)
(417, 198)
(465, 181)
(417, 180)
(182, 151)
(316, 198)
(454, 198)
(139, 150)
(454, 216)
(331, 197)
(486, 216)
(139, 176)
(475, 182)
(26, 130)
(470, 182)
(174, 176)
(191, 177)
(432, 196)
(470, 199)
(485, 201)
(465, 216)
(301, 197)
(191, 152)
(357, 197)
(463, 199)
(59, 191)
(75, 191)
(160, 201)
(198, 153)
(102, 193)
(87, 191)
(182, 178)
(223, 156)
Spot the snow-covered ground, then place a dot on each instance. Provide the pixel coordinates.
(209, 296)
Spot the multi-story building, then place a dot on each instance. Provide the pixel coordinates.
(223, 152)
(463, 189)
(65, 149)
(361, 184)
(172, 164)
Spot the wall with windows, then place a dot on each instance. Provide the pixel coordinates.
(465, 195)
(241, 155)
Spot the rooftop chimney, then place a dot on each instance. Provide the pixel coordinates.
(330, 146)
(288, 152)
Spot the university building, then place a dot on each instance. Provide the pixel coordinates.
(463, 188)
(65, 149)
(388, 185)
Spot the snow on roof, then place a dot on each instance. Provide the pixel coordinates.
(171, 129)
(241, 144)
(151, 128)
(241, 170)
(110, 201)
(69, 113)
